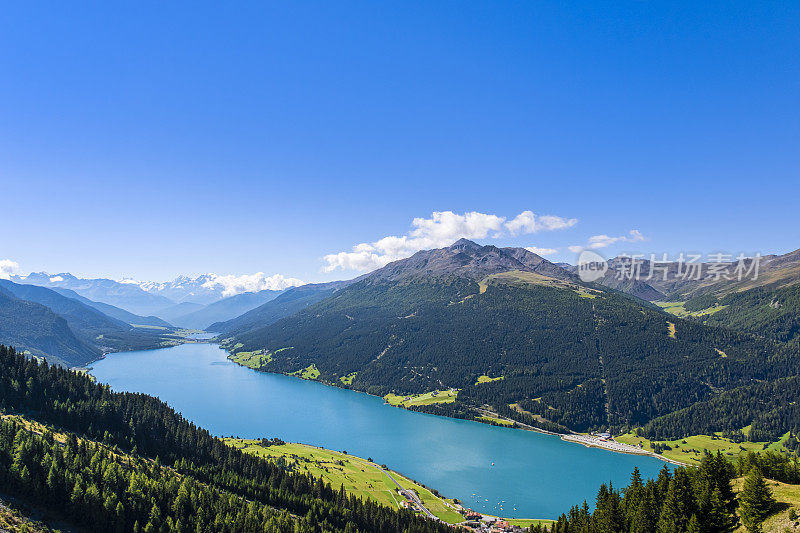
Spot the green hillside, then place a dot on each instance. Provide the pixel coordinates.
(38, 330)
(760, 492)
(287, 303)
(767, 311)
(112, 461)
(115, 312)
(571, 356)
(97, 332)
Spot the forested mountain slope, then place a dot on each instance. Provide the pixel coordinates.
(767, 311)
(128, 296)
(679, 282)
(578, 356)
(287, 303)
(226, 309)
(768, 409)
(104, 469)
(707, 498)
(37, 329)
(93, 328)
(115, 312)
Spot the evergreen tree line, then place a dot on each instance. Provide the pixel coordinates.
(771, 409)
(694, 500)
(145, 427)
(774, 465)
(773, 313)
(107, 491)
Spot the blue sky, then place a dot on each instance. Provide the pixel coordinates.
(151, 139)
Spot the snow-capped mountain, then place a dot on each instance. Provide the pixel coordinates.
(209, 288)
(129, 297)
(150, 298)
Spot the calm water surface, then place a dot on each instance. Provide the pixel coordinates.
(534, 475)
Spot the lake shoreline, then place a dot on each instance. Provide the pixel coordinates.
(573, 438)
(487, 470)
(449, 503)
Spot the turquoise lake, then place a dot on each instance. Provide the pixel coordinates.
(534, 475)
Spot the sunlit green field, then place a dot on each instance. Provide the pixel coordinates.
(309, 372)
(359, 476)
(441, 396)
(494, 420)
(677, 309)
(251, 359)
(690, 450)
(348, 379)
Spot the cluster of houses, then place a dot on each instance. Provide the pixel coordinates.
(472, 519)
(487, 524)
(409, 501)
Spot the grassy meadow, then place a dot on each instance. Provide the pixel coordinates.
(690, 450)
(359, 476)
(439, 396)
(786, 497)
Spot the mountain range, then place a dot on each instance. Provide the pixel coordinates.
(286, 304)
(69, 331)
(764, 302)
(514, 333)
(524, 337)
(127, 296)
(184, 302)
(209, 288)
(232, 306)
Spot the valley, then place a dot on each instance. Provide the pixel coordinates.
(452, 456)
(571, 357)
(491, 341)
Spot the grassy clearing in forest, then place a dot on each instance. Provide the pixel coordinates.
(690, 450)
(439, 396)
(309, 372)
(487, 379)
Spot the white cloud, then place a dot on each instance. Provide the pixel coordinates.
(541, 251)
(527, 222)
(232, 284)
(8, 268)
(442, 229)
(56, 279)
(602, 241)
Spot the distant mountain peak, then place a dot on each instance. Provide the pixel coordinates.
(465, 244)
(467, 259)
(208, 288)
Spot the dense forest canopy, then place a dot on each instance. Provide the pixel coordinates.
(110, 470)
(580, 359)
(686, 499)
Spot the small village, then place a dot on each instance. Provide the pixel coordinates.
(472, 519)
(485, 523)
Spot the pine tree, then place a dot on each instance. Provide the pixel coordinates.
(694, 525)
(646, 514)
(608, 513)
(755, 500)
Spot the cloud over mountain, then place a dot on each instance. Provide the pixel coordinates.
(232, 284)
(8, 268)
(541, 251)
(602, 241)
(210, 287)
(441, 229)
